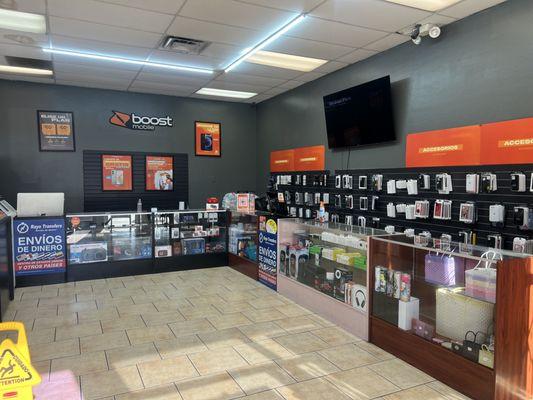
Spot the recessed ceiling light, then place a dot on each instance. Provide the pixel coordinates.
(225, 93)
(21, 21)
(286, 61)
(10, 69)
(428, 5)
(261, 45)
(102, 57)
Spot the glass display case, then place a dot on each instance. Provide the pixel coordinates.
(442, 306)
(105, 237)
(243, 235)
(190, 232)
(330, 258)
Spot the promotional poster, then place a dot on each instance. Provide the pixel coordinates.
(56, 131)
(116, 172)
(39, 246)
(268, 250)
(159, 173)
(208, 139)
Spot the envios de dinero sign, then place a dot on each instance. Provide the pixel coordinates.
(139, 122)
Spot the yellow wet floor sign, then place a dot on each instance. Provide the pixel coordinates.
(17, 376)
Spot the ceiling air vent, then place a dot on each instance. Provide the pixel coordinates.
(184, 45)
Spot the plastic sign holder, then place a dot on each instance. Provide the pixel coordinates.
(17, 375)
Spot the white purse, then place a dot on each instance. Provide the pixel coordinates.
(458, 314)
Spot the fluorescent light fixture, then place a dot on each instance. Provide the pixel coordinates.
(10, 69)
(21, 21)
(428, 5)
(287, 61)
(261, 45)
(226, 93)
(126, 60)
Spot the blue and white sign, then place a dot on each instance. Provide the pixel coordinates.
(268, 250)
(39, 246)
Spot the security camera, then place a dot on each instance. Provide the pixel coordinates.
(419, 31)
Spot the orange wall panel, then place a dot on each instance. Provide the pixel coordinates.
(507, 142)
(311, 158)
(446, 147)
(282, 161)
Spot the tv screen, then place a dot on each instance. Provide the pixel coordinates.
(360, 115)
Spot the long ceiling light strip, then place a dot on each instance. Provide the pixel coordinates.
(266, 42)
(10, 69)
(21, 21)
(226, 93)
(126, 60)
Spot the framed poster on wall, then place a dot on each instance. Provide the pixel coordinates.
(208, 139)
(56, 130)
(159, 173)
(116, 172)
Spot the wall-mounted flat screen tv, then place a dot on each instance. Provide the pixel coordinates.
(360, 115)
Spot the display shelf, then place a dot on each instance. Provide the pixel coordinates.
(425, 315)
(310, 273)
(243, 243)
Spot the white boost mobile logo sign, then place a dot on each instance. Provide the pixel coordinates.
(139, 123)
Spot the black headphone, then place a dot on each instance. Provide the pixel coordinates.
(360, 302)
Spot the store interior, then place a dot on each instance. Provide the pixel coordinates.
(266, 199)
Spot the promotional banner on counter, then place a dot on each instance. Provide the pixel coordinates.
(39, 246)
(56, 131)
(159, 173)
(268, 250)
(116, 172)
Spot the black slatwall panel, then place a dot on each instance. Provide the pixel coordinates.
(482, 228)
(95, 199)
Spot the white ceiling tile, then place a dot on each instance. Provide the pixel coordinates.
(160, 92)
(110, 14)
(80, 76)
(291, 84)
(173, 77)
(15, 77)
(264, 70)
(373, 14)
(250, 79)
(310, 76)
(233, 13)
(14, 37)
(162, 6)
(105, 33)
(241, 87)
(213, 32)
(275, 91)
(23, 51)
(91, 71)
(91, 46)
(115, 85)
(388, 42)
(469, 7)
(177, 90)
(440, 20)
(308, 48)
(222, 51)
(289, 5)
(331, 66)
(185, 59)
(335, 32)
(33, 6)
(357, 55)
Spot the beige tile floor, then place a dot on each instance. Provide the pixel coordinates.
(210, 334)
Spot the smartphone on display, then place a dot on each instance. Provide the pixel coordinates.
(206, 142)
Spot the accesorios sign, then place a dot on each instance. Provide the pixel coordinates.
(39, 246)
(138, 122)
(311, 158)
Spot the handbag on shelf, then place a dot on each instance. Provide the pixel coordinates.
(457, 314)
(480, 282)
(471, 345)
(440, 269)
(422, 329)
(486, 356)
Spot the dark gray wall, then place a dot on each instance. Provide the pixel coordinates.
(24, 169)
(481, 70)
